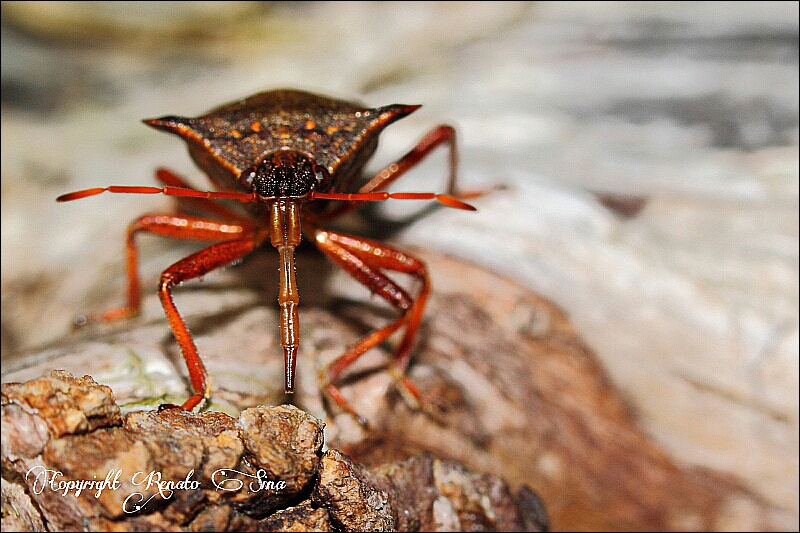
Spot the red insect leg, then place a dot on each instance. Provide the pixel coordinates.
(194, 266)
(365, 260)
(166, 225)
(439, 135)
(240, 240)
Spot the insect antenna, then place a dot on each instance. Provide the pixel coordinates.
(168, 190)
(444, 199)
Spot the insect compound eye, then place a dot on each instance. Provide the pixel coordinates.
(248, 176)
(322, 177)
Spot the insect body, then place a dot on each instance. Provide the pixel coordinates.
(290, 157)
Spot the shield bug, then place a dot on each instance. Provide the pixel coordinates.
(293, 159)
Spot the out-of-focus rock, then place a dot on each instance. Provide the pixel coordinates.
(19, 513)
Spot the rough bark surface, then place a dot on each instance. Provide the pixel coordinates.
(171, 470)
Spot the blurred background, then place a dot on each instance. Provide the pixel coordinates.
(649, 153)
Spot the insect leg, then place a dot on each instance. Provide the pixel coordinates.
(166, 225)
(365, 260)
(439, 135)
(193, 266)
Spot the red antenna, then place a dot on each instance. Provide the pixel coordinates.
(444, 199)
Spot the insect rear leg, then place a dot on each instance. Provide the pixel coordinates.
(365, 260)
(442, 134)
(166, 225)
(194, 266)
(439, 135)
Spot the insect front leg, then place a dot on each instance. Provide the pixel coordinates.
(194, 266)
(239, 240)
(365, 260)
(166, 225)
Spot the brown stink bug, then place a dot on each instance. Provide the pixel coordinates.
(292, 158)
